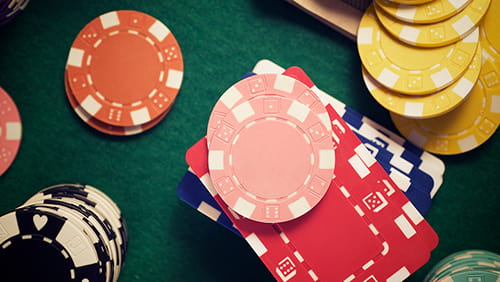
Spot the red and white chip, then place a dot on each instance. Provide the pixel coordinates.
(10, 131)
(271, 157)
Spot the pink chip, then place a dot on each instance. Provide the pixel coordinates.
(10, 131)
(271, 158)
(268, 84)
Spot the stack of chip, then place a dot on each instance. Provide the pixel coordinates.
(9, 9)
(67, 232)
(123, 73)
(467, 266)
(10, 131)
(434, 65)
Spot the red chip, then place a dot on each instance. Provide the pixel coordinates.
(104, 127)
(271, 158)
(125, 68)
(10, 131)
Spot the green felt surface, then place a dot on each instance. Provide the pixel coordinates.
(220, 41)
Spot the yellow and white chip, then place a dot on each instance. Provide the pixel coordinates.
(426, 13)
(408, 69)
(464, 128)
(411, 2)
(426, 106)
(436, 34)
(490, 33)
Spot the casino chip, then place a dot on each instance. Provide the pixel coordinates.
(464, 128)
(104, 127)
(9, 9)
(432, 12)
(66, 232)
(430, 105)
(408, 69)
(271, 157)
(466, 266)
(490, 33)
(439, 33)
(10, 131)
(125, 69)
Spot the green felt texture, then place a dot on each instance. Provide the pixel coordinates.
(220, 41)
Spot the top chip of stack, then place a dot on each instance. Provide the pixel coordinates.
(433, 66)
(67, 232)
(9, 9)
(123, 73)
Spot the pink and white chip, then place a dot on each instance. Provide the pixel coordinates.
(271, 158)
(10, 131)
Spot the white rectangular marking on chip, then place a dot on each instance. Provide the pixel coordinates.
(409, 33)
(313, 275)
(406, 11)
(75, 57)
(207, 181)
(140, 116)
(298, 111)
(417, 138)
(78, 251)
(365, 35)
(91, 105)
(244, 207)
(284, 83)
(358, 165)
(495, 104)
(365, 155)
(345, 192)
(350, 278)
(299, 207)
(216, 160)
(368, 264)
(209, 211)
(473, 37)
(284, 238)
(414, 109)
(388, 77)
(298, 256)
(230, 97)
(463, 87)
(14, 131)
(359, 210)
(399, 275)
(373, 229)
(8, 226)
(326, 159)
(132, 130)
(467, 142)
(458, 3)
(256, 244)
(82, 113)
(464, 23)
(109, 19)
(442, 77)
(159, 30)
(412, 213)
(325, 119)
(174, 79)
(243, 111)
(400, 179)
(405, 226)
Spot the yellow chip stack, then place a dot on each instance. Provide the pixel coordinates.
(434, 64)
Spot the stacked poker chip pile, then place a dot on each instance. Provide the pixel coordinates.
(67, 232)
(434, 64)
(466, 266)
(10, 131)
(9, 9)
(123, 73)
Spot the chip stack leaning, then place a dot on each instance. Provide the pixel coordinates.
(123, 73)
(434, 66)
(466, 266)
(66, 232)
(9, 9)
